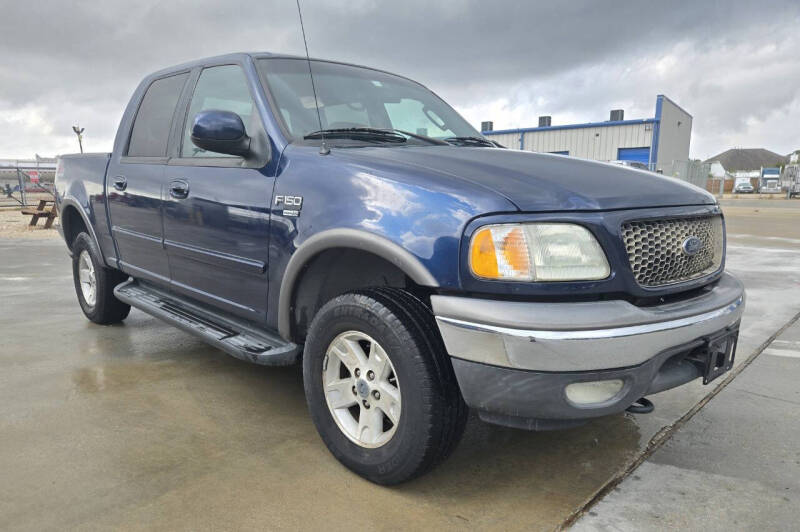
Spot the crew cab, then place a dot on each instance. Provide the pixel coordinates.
(359, 226)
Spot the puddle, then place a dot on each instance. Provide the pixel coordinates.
(116, 377)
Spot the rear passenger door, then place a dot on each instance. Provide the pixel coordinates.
(216, 211)
(135, 183)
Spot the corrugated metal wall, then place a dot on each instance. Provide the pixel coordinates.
(509, 140)
(600, 143)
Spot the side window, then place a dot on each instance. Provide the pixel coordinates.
(223, 88)
(150, 131)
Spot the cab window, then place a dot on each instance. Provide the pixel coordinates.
(150, 131)
(222, 88)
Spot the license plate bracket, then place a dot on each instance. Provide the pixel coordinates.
(717, 354)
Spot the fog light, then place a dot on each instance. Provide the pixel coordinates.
(587, 393)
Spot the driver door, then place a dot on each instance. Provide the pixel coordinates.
(216, 210)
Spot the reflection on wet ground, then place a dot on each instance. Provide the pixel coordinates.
(142, 426)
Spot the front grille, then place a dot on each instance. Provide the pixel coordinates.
(656, 249)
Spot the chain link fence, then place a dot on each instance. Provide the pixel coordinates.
(24, 183)
(694, 172)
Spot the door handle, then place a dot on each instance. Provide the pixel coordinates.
(178, 189)
(120, 183)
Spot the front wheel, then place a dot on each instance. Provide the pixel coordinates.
(94, 283)
(379, 385)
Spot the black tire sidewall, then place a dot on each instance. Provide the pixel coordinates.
(401, 454)
(84, 243)
(107, 308)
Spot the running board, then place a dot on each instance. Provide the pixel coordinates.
(232, 336)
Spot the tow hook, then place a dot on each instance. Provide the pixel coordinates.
(641, 406)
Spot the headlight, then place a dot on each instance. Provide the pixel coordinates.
(537, 252)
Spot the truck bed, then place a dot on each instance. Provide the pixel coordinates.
(81, 177)
(82, 167)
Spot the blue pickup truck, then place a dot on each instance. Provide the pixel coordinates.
(414, 268)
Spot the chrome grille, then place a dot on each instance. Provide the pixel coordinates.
(656, 249)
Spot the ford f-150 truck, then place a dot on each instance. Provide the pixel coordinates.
(362, 227)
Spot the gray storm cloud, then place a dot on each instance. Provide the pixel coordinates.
(734, 65)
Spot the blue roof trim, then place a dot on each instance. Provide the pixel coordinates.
(573, 126)
(656, 132)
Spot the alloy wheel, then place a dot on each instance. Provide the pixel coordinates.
(361, 389)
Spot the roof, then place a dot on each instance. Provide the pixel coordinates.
(747, 159)
(233, 57)
(242, 56)
(608, 123)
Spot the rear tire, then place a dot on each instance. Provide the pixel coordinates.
(94, 283)
(423, 396)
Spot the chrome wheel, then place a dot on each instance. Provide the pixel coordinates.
(361, 389)
(87, 278)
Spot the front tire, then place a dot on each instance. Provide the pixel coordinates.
(380, 387)
(94, 283)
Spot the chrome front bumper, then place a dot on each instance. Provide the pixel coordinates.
(580, 336)
(513, 360)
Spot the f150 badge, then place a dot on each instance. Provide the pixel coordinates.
(291, 204)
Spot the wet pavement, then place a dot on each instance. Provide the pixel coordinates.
(142, 426)
(735, 465)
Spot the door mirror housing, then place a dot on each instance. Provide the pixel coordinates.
(220, 132)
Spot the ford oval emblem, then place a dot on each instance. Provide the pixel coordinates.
(692, 246)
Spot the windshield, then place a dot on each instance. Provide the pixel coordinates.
(354, 97)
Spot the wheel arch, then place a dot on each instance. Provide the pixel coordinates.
(73, 219)
(343, 239)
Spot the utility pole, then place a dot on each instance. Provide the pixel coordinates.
(79, 131)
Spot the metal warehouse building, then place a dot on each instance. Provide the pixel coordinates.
(661, 142)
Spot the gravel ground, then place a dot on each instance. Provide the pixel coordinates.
(13, 224)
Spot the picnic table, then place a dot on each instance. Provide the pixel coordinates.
(45, 209)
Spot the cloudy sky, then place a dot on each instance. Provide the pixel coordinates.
(734, 65)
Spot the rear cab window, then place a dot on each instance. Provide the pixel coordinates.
(151, 127)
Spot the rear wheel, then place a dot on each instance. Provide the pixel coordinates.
(94, 283)
(380, 387)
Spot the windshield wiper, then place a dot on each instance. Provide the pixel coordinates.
(358, 133)
(426, 138)
(470, 141)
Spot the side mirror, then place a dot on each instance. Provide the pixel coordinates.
(220, 132)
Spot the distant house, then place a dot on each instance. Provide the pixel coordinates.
(744, 162)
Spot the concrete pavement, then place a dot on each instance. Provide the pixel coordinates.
(735, 465)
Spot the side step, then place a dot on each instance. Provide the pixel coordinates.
(232, 336)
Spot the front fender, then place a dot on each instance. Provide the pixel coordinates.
(411, 217)
(345, 238)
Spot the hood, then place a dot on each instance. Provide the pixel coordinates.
(540, 182)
